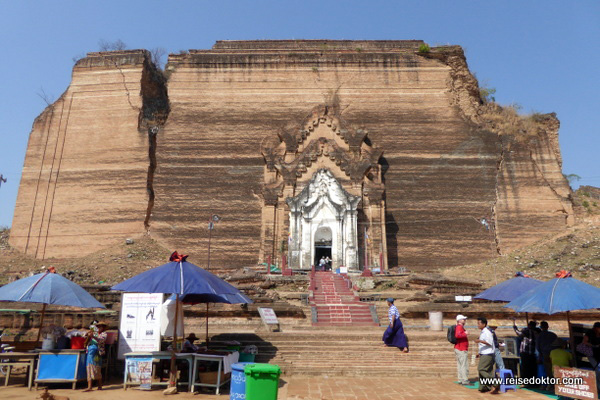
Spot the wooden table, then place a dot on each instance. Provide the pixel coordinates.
(160, 355)
(15, 359)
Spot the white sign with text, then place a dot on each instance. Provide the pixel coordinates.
(139, 329)
(268, 316)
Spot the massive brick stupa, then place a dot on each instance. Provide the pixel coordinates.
(376, 152)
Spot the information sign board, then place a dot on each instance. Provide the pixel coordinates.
(268, 316)
(139, 329)
(585, 389)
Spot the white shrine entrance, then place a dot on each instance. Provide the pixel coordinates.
(323, 219)
(322, 195)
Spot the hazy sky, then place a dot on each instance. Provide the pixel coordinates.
(543, 55)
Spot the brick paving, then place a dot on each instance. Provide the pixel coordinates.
(373, 388)
(300, 388)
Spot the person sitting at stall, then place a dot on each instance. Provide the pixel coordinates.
(592, 339)
(559, 355)
(95, 340)
(188, 344)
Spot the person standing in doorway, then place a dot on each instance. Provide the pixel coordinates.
(461, 350)
(485, 344)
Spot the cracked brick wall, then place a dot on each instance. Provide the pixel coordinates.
(104, 162)
(84, 183)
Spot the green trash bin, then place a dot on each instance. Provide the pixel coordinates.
(262, 381)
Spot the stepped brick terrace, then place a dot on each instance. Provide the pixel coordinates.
(334, 302)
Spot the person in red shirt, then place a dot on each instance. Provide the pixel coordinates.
(461, 349)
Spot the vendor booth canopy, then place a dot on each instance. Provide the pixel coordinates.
(190, 282)
(48, 288)
(183, 279)
(510, 289)
(561, 294)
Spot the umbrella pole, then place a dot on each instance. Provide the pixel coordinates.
(37, 341)
(207, 325)
(173, 377)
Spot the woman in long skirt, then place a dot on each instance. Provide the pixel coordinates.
(394, 334)
(95, 350)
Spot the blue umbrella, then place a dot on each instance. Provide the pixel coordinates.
(190, 284)
(48, 288)
(558, 295)
(187, 280)
(183, 278)
(510, 289)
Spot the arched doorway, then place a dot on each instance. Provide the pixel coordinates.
(323, 220)
(322, 246)
(317, 171)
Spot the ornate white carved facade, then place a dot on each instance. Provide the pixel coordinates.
(323, 211)
(322, 194)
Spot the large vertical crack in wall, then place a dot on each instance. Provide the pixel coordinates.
(153, 116)
(494, 225)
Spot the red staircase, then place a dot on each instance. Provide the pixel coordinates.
(334, 303)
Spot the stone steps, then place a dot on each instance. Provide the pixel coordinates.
(336, 304)
(316, 351)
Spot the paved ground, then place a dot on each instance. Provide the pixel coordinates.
(369, 388)
(302, 388)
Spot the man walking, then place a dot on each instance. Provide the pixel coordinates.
(492, 326)
(543, 345)
(461, 349)
(486, 355)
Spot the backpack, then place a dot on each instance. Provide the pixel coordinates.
(452, 334)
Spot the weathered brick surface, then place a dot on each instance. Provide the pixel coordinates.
(443, 168)
(84, 179)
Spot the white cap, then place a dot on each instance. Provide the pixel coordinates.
(460, 316)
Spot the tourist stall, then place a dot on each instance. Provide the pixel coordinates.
(505, 292)
(189, 284)
(50, 288)
(561, 294)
